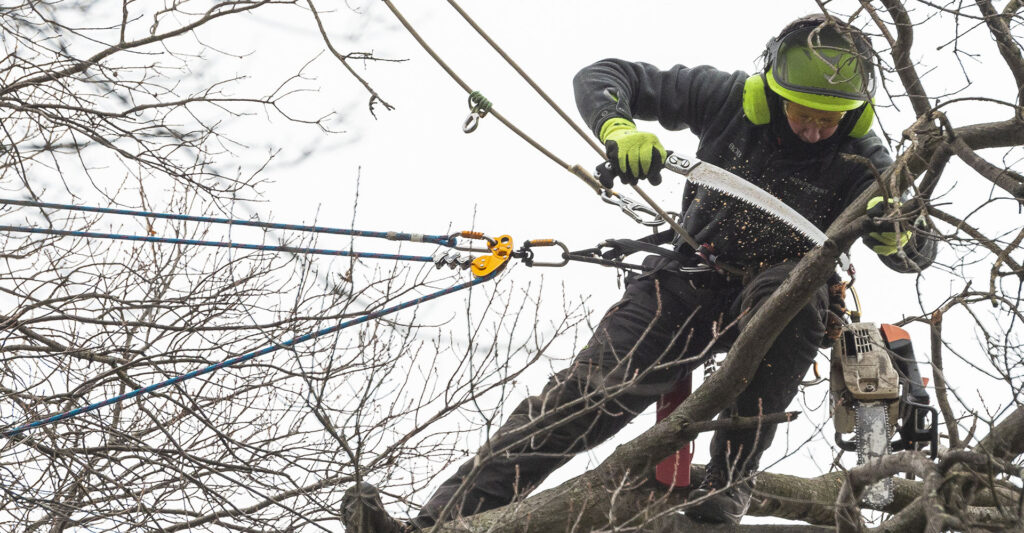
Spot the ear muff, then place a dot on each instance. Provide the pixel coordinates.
(755, 101)
(757, 111)
(864, 121)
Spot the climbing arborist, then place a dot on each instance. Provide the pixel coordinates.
(785, 129)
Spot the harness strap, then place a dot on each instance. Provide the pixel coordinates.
(650, 244)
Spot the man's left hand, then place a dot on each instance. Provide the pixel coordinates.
(881, 241)
(633, 155)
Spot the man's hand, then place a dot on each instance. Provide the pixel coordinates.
(884, 242)
(634, 155)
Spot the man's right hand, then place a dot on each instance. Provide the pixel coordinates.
(633, 155)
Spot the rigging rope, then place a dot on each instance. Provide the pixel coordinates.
(596, 186)
(215, 244)
(484, 268)
(442, 240)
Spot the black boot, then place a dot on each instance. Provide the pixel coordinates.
(363, 512)
(722, 501)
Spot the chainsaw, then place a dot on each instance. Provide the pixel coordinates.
(877, 394)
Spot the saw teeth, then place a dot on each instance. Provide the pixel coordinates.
(741, 199)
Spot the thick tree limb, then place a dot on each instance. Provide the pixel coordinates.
(608, 495)
(993, 134)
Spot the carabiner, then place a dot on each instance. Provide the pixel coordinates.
(472, 121)
(471, 235)
(527, 254)
(632, 208)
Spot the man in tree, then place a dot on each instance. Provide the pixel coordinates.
(785, 130)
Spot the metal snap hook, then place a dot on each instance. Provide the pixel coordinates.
(472, 121)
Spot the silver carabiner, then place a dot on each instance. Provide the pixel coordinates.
(655, 220)
(472, 121)
(632, 208)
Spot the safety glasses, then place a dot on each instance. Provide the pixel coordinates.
(808, 116)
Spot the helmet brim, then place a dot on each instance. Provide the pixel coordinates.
(821, 102)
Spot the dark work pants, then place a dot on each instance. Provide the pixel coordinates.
(637, 353)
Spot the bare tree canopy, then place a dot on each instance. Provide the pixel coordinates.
(203, 116)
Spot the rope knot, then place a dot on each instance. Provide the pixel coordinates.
(478, 109)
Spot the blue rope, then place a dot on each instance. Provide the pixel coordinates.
(229, 362)
(442, 240)
(217, 244)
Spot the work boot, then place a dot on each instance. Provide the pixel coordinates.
(363, 512)
(722, 503)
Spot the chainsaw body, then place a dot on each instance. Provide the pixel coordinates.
(877, 393)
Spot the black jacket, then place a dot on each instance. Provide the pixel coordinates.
(810, 178)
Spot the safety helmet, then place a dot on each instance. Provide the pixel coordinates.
(821, 63)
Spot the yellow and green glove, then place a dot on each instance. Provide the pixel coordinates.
(880, 240)
(633, 155)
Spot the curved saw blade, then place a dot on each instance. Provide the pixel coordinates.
(721, 180)
(725, 182)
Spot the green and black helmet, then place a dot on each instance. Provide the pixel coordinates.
(821, 64)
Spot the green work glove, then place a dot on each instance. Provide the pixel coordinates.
(881, 241)
(633, 155)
